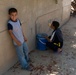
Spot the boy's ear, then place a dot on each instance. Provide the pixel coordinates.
(9, 15)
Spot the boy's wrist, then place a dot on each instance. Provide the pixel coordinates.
(25, 39)
(18, 43)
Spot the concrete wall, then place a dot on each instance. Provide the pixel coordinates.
(35, 16)
(66, 9)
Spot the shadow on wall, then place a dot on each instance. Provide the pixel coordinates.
(42, 22)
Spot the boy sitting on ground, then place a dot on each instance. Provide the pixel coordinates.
(55, 41)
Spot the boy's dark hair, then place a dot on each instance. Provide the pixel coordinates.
(55, 24)
(11, 10)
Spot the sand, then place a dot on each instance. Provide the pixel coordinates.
(49, 63)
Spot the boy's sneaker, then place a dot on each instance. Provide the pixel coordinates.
(28, 60)
(29, 69)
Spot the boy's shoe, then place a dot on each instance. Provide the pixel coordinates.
(29, 60)
(29, 69)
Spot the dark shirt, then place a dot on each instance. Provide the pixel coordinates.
(58, 37)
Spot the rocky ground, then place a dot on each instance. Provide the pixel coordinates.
(49, 63)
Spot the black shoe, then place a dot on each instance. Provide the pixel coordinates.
(29, 60)
(29, 69)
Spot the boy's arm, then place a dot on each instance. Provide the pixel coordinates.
(48, 39)
(14, 38)
(60, 38)
(25, 39)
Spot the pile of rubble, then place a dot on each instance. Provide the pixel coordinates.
(73, 7)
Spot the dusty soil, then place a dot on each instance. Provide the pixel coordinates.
(49, 63)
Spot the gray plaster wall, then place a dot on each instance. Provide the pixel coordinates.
(35, 16)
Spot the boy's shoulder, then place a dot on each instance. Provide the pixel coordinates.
(13, 21)
(58, 31)
(18, 22)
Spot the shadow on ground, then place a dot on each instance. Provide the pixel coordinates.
(49, 63)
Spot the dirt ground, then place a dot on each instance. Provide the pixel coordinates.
(49, 63)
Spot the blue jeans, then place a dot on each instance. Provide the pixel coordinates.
(22, 53)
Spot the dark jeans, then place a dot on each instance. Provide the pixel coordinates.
(52, 46)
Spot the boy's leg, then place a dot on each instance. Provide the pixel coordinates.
(21, 57)
(25, 49)
(52, 46)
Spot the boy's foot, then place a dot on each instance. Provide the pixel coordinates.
(29, 68)
(59, 50)
(29, 60)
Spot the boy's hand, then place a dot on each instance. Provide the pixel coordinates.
(25, 39)
(18, 43)
(14, 38)
(45, 37)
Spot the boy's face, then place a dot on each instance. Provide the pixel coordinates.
(52, 27)
(13, 16)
